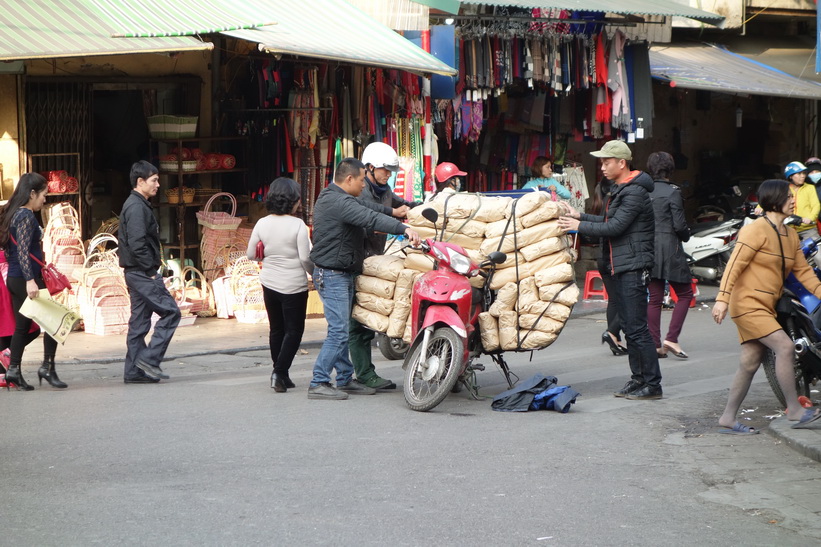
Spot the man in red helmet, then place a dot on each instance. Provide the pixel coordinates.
(448, 177)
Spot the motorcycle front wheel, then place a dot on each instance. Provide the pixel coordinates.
(801, 383)
(430, 377)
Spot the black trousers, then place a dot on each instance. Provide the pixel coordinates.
(286, 317)
(631, 300)
(22, 324)
(148, 295)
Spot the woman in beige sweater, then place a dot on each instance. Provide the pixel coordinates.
(765, 253)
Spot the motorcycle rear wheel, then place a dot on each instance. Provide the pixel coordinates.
(801, 384)
(429, 378)
(391, 348)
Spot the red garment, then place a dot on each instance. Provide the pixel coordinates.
(604, 107)
(6, 308)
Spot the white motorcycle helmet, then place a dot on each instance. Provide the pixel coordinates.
(379, 154)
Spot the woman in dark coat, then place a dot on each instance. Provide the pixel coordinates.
(670, 260)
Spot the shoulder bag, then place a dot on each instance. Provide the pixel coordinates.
(55, 280)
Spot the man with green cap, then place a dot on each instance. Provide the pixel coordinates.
(628, 229)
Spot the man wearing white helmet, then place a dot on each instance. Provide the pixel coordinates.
(380, 162)
(807, 205)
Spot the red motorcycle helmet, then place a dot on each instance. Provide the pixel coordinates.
(447, 170)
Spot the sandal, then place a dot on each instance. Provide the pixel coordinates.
(739, 429)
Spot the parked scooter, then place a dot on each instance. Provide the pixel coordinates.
(445, 323)
(710, 246)
(799, 314)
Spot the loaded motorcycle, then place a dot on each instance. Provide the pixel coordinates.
(445, 324)
(799, 313)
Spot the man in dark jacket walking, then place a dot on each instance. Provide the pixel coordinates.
(628, 227)
(340, 226)
(139, 249)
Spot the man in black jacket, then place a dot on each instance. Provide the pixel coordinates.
(380, 161)
(340, 226)
(139, 248)
(628, 227)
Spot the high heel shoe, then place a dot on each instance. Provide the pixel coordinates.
(46, 372)
(15, 376)
(677, 352)
(277, 383)
(615, 347)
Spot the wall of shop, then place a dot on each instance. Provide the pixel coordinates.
(9, 134)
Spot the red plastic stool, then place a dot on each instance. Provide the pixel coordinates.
(589, 280)
(674, 298)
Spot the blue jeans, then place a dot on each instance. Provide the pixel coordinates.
(336, 290)
(630, 290)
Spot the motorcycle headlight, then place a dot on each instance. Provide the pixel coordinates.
(459, 262)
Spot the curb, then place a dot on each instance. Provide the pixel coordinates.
(804, 441)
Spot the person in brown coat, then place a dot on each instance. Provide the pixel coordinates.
(765, 253)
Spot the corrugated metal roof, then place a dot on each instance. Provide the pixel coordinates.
(624, 7)
(45, 29)
(712, 68)
(342, 33)
(153, 18)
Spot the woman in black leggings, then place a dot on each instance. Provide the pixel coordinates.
(20, 235)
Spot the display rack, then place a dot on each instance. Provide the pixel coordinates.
(180, 178)
(62, 161)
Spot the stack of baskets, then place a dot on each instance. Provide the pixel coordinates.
(102, 295)
(62, 240)
(219, 230)
(246, 292)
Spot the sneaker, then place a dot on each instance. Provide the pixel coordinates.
(326, 391)
(645, 392)
(355, 387)
(377, 382)
(151, 371)
(632, 385)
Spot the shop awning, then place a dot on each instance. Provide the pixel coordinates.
(623, 7)
(45, 29)
(334, 30)
(712, 68)
(152, 18)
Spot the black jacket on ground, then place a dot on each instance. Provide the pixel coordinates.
(671, 230)
(627, 225)
(375, 243)
(139, 236)
(340, 225)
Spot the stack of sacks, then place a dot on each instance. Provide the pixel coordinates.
(535, 284)
(530, 314)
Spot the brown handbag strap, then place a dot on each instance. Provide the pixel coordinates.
(781, 248)
(34, 258)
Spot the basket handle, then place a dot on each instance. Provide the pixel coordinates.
(220, 194)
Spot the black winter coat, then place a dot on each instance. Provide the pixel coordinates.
(340, 225)
(671, 230)
(375, 243)
(627, 225)
(138, 236)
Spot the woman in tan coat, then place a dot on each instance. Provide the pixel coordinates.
(765, 253)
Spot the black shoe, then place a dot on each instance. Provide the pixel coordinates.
(14, 378)
(152, 371)
(645, 392)
(616, 348)
(141, 380)
(288, 383)
(47, 373)
(629, 387)
(278, 384)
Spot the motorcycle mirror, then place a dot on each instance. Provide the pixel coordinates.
(430, 214)
(792, 220)
(497, 257)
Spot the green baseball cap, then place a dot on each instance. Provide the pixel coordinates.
(614, 149)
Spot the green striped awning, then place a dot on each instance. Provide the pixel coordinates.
(334, 30)
(46, 29)
(151, 18)
(623, 7)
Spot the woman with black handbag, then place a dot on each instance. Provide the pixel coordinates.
(20, 236)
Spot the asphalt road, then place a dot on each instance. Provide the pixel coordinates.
(215, 457)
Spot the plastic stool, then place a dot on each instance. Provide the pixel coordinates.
(674, 298)
(589, 280)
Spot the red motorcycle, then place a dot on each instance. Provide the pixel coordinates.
(445, 324)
